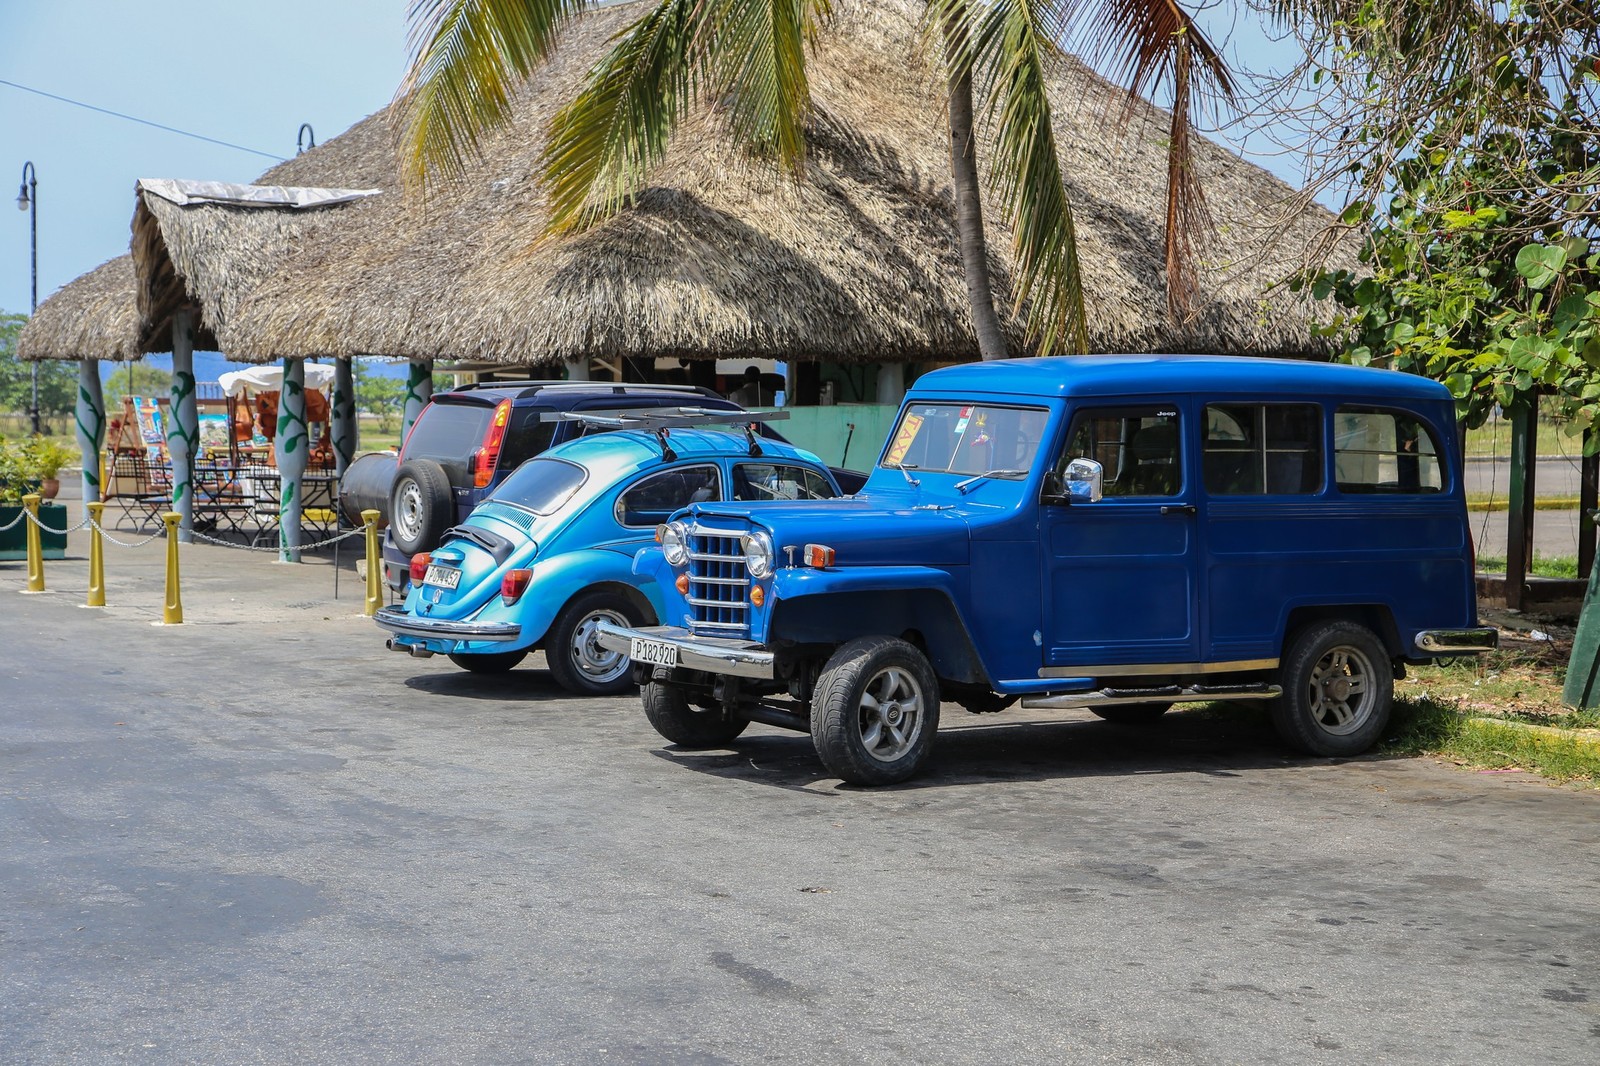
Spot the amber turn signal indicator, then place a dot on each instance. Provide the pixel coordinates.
(683, 584)
(819, 555)
(757, 596)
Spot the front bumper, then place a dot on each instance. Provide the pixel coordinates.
(402, 623)
(712, 655)
(1458, 641)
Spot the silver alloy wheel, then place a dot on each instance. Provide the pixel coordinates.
(1342, 695)
(596, 663)
(408, 510)
(891, 714)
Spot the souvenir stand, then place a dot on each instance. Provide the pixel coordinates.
(250, 429)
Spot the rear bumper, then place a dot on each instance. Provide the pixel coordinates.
(401, 623)
(712, 655)
(1457, 641)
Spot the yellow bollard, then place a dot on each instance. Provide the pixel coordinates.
(172, 609)
(97, 558)
(374, 564)
(35, 543)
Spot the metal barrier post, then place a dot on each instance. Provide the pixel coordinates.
(35, 544)
(172, 609)
(97, 559)
(369, 518)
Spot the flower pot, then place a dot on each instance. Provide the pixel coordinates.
(48, 487)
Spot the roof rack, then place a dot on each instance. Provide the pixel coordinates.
(616, 388)
(661, 420)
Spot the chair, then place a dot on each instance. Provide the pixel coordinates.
(141, 490)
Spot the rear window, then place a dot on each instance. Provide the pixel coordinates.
(1384, 452)
(541, 485)
(1263, 449)
(776, 481)
(448, 433)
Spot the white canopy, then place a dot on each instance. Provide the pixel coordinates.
(183, 193)
(254, 379)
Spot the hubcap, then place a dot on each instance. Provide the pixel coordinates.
(891, 714)
(409, 514)
(593, 661)
(1341, 693)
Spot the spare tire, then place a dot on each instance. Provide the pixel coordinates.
(420, 506)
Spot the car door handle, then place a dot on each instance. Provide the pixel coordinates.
(1179, 508)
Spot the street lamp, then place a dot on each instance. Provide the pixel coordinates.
(28, 200)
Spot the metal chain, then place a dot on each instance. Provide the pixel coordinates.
(15, 521)
(158, 534)
(57, 532)
(274, 549)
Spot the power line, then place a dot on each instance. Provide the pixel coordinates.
(140, 121)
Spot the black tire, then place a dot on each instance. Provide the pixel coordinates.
(1338, 686)
(490, 662)
(421, 506)
(1132, 713)
(672, 715)
(874, 711)
(578, 664)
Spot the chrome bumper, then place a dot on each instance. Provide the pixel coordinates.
(713, 655)
(398, 621)
(1456, 641)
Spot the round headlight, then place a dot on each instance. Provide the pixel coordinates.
(758, 554)
(675, 543)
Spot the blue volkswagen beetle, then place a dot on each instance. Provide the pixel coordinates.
(549, 555)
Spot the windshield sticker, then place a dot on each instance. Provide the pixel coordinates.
(902, 440)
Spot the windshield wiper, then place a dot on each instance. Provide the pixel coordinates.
(903, 467)
(962, 486)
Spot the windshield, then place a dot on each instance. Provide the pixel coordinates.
(967, 439)
(541, 485)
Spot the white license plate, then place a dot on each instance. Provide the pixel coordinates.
(654, 652)
(444, 577)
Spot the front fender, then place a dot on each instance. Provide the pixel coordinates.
(795, 582)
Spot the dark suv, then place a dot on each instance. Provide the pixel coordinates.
(468, 440)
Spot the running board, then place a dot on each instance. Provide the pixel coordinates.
(1159, 694)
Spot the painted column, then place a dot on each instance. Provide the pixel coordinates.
(91, 420)
(183, 423)
(891, 383)
(578, 369)
(345, 430)
(290, 449)
(419, 390)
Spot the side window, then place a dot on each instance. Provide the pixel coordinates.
(1138, 448)
(771, 481)
(526, 436)
(655, 498)
(1263, 449)
(1384, 451)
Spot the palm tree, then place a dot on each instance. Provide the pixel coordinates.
(749, 56)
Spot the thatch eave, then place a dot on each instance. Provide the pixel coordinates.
(91, 317)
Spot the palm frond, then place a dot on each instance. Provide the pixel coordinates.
(466, 58)
(603, 143)
(755, 51)
(1147, 44)
(1008, 51)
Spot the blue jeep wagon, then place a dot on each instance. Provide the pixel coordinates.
(1117, 533)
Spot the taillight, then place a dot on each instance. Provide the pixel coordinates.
(493, 437)
(513, 585)
(419, 567)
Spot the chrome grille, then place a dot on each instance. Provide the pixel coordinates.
(718, 584)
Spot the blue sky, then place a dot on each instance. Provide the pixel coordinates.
(247, 74)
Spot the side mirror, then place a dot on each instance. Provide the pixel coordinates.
(1083, 481)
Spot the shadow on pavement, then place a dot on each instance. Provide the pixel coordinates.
(515, 686)
(1219, 741)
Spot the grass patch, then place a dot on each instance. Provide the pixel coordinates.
(1543, 565)
(1428, 727)
(1482, 501)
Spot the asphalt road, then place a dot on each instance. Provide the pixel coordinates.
(258, 837)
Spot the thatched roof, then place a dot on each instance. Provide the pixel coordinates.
(91, 317)
(720, 256)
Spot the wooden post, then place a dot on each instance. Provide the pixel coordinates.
(1519, 513)
(346, 433)
(291, 445)
(419, 390)
(91, 420)
(1588, 500)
